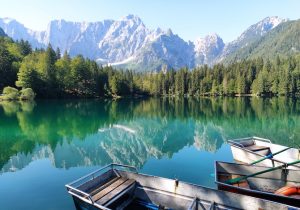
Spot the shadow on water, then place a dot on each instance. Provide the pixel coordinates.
(97, 132)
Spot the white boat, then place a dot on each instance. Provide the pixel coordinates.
(252, 149)
(122, 187)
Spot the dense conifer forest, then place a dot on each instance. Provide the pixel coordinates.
(51, 74)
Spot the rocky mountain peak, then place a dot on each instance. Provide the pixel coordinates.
(128, 43)
(251, 34)
(208, 48)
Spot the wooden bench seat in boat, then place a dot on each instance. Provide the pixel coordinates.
(112, 189)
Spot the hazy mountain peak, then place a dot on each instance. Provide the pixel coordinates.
(208, 39)
(169, 32)
(127, 42)
(132, 17)
(252, 33)
(263, 26)
(132, 20)
(214, 36)
(7, 20)
(208, 48)
(271, 22)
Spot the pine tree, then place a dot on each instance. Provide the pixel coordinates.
(57, 53)
(8, 74)
(25, 47)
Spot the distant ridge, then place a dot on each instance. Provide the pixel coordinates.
(127, 43)
(284, 40)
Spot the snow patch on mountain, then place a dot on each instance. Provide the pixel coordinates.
(208, 48)
(251, 34)
(128, 43)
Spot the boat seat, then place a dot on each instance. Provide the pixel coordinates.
(256, 148)
(263, 150)
(112, 190)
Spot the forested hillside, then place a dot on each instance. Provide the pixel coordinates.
(284, 40)
(52, 75)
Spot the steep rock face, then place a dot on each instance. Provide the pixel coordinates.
(76, 38)
(207, 49)
(2, 33)
(123, 39)
(17, 31)
(166, 51)
(253, 33)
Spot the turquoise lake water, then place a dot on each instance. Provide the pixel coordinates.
(47, 144)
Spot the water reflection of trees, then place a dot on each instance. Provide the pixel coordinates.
(163, 127)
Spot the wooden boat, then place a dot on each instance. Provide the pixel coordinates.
(262, 186)
(249, 150)
(122, 187)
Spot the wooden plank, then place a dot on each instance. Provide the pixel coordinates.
(109, 188)
(98, 189)
(116, 192)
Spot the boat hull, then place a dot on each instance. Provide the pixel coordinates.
(242, 154)
(158, 191)
(261, 186)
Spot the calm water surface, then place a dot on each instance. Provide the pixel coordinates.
(46, 144)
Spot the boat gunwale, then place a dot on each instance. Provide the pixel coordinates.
(235, 143)
(246, 189)
(213, 190)
(251, 138)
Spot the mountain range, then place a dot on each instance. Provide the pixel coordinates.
(128, 43)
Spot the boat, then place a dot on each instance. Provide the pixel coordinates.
(262, 152)
(117, 186)
(259, 181)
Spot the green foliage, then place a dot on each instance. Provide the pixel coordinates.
(13, 94)
(27, 94)
(10, 93)
(282, 40)
(25, 47)
(7, 70)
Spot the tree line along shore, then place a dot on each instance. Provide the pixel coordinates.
(46, 73)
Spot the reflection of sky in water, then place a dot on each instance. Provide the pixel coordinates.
(47, 144)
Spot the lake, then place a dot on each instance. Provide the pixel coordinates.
(48, 143)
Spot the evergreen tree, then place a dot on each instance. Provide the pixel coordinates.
(25, 47)
(8, 73)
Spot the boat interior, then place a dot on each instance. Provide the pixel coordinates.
(268, 182)
(122, 189)
(265, 147)
(253, 145)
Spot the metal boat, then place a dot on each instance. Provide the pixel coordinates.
(262, 185)
(252, 149)
(122, 187)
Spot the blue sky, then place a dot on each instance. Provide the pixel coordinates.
(187, 18)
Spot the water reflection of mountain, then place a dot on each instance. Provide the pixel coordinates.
(131, 142)
(82, 133)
